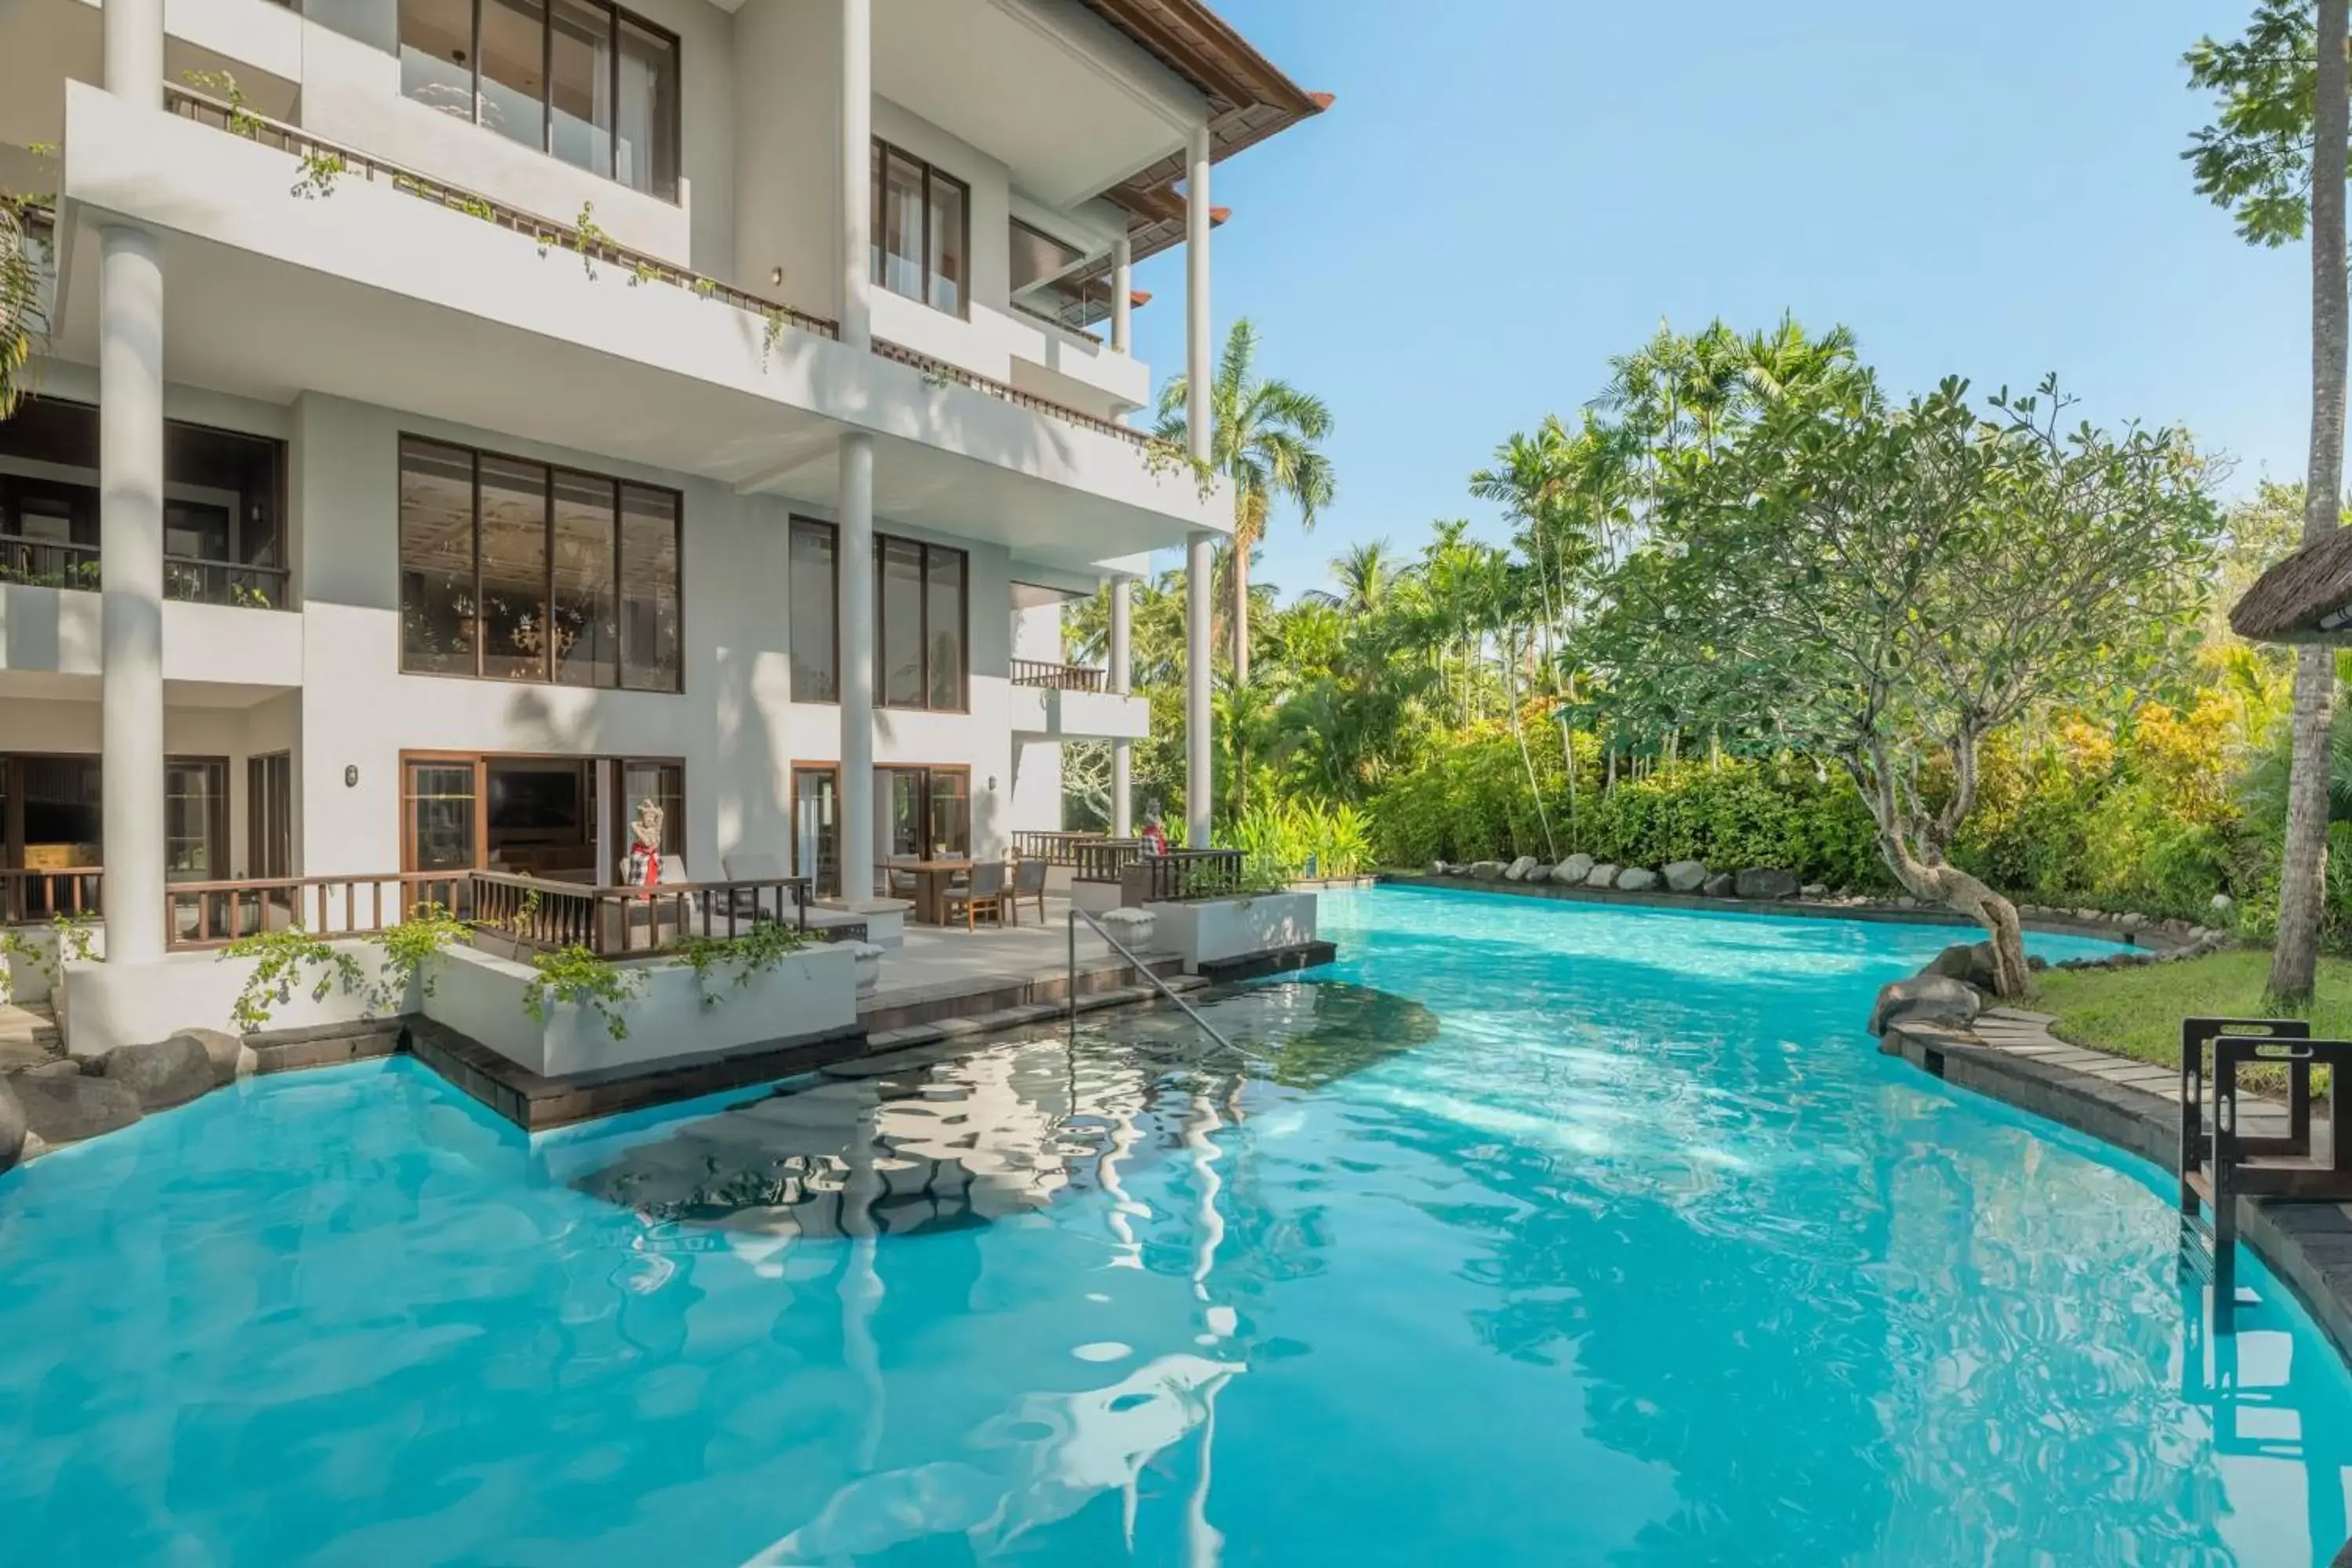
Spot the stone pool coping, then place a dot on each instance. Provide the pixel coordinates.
(2152, 937)
(2010, 1055)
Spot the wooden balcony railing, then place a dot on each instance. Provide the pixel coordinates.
(1105, 859)
(51, 563)
(1054, 847)
(528, 912)
(212, 914)
(640, 267)
(1059, 676)
(28, 898)
(1185, 875)
(615, 921)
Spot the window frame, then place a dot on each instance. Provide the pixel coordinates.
(832, 599)
(547, 676)
(878, 269)
(924, 551)
(616, 15)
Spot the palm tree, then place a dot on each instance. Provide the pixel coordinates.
(1265, 438)
(1365, 575)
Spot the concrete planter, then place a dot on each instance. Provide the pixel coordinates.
(22, 980)
(110, 1004)
(1214, 929)
(810, 992)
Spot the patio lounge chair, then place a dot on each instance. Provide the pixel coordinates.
(984, 894)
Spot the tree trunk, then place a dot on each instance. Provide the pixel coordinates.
(1240, 613)
(2303, 874)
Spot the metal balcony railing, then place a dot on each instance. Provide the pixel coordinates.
(52, 563)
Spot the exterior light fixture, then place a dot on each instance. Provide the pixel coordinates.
(776, 276)
(351, 776)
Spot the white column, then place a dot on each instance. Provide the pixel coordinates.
(1200, 553)
(1122, 681)
(131, 576)
(1197, 348)
(1122, 294)
(857, 172)
(132, 37)
(855, 567)
(1199, 568)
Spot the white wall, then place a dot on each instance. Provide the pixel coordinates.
(735, 726)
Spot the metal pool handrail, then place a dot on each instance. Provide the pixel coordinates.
(1077, 914)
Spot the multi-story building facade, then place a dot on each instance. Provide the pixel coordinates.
(459, 421)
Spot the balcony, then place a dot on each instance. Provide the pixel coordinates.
(324, 163)
(571, 339)
(189, 580)
(1073, 702)
(1060, 676)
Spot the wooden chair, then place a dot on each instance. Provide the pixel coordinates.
(984, 894)
(1029, 882)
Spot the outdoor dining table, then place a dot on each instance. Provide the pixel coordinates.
(931, 881)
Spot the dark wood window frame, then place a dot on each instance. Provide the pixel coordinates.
(547, 676)
(620, 14)
(925, 551)
(927, 770)
(480, 763)
(269, 814)
(963, 630)
(883, 152)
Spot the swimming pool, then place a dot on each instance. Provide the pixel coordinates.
(1529, 1232)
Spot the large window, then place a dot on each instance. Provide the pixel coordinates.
(919, 614)
(927, 809)
(921, 230)
(196, 819)
(523, 571)
(1037, 257)
(921, 620)
(581, 79)
(816, 628)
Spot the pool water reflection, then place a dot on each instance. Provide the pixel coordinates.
(1527, 1233)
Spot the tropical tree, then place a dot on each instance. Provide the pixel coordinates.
(20, 284)
(1882, 586)
(1266, 437)
(2275, 156)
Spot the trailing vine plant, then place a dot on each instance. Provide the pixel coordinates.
(283, 958)
(410, 949)
(70, 942)
(321, 169)
(745, 957)
(242, 122)
(576, 976)
(1161, 458)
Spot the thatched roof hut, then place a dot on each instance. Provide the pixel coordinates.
(2306, 598)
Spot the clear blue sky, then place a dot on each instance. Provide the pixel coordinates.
(1509, 191)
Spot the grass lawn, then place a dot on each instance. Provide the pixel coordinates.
(2137, 1012)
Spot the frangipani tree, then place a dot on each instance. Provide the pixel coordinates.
(1882, 587)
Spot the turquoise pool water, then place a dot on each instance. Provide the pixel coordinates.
(1526, 1233)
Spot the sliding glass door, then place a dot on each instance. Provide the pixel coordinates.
(926, 811)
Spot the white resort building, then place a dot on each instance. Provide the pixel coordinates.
(460, 421)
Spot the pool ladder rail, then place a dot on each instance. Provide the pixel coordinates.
(2253, 1149)
(1077, 914)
